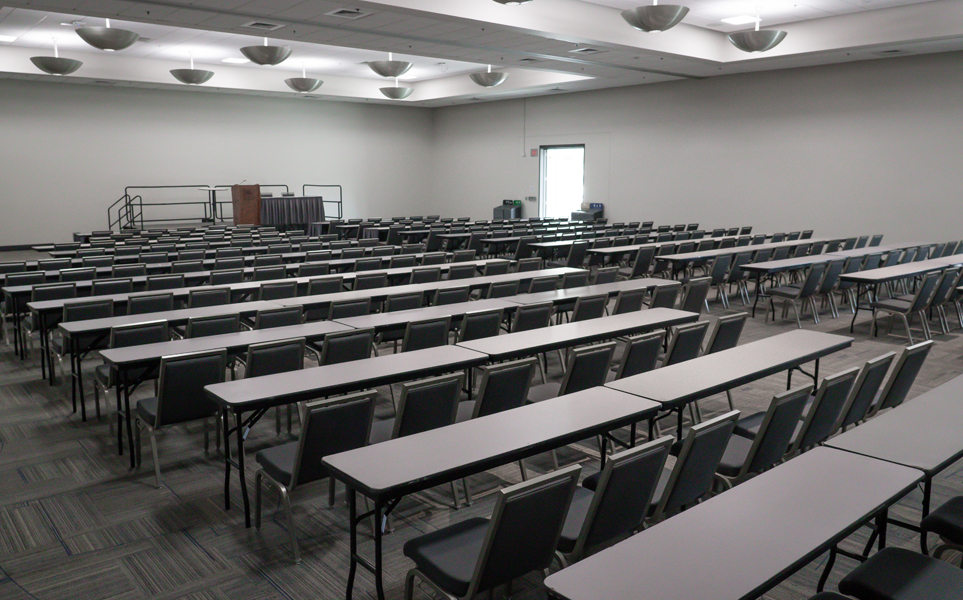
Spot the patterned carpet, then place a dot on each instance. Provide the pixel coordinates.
(75, 522)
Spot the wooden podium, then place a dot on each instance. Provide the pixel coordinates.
(247, 204)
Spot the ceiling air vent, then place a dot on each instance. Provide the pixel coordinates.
(352, 14)
(263, 26)
(586, 50)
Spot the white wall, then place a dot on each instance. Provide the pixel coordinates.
(67, 151)
(865, 147)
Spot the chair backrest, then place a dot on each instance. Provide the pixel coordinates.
(325, 285)
(536, 507)
(576, 255)
(503, 386)
(532, 316)
(187, 266)
(208, 297)
(427, 333)
(78, 274)
(587, 368)
(181, 396)
(427, 404)
(269, 273)
(909, 255)
(629, 301)
(925, 291)
(13, 267)
(641, 354)
(496, 268)
(589, 307)
(949, 249)
(461, 272)
(279, 356)
(227, 252)
(664, 296)
(777, 430)
(137, 334)
(231, 262)
(346, 346)
(825, 410)
(643, 262)
(872, 261)
(831, 276)
(331, 426)
(865, 390)
(606, 275)
(149, 303)
(313, 269)
(371, 281)
(408, 301)
(694, 469)
(907, 367)
(53, 291)
(462, 256)
(480, 324)
(267, 260)
(106, 287)
(213, 325)
(375, 263)
(455, 295)
(502, 289)
(91, 309)
(624, 492)
(278, 290)
(225, 277)
(696, 292)
(811, 284)
(781, 253)
(543, 284)
(165, 282)
(97, 261)
(425, 275)
(726, 333)
(286, 316)
(343, 309)
(946, 287)
(685, 342)
(434, 258)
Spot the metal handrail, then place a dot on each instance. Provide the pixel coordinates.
(337, 202)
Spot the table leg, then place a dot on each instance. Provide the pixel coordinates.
(18, 342)
(43, 349)
(353, 548)
(881, 520)
(240, 469)
(120, 424)
(852, 323)
(122, 376)
(756, 301)
(72, 350)
(379, 534)
(225, 424)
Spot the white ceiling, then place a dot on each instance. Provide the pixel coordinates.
(540, 44)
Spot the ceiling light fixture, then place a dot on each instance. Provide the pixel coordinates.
(513, 2)
(6, 39)
(192, 76)
(759, 40)
(489, 79)
(107, 38)
(303, 84)
(267, 55)
(657, 17)
(390, 67)
(54, 65)
(397, 93)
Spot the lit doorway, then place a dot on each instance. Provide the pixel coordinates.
(561, 180)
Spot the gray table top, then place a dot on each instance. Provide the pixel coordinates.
(744, 541)
(146, 353)
(788, 264)
(171, 316)
(634, 247)
(317, 382)
(611, 289)
(923, 433)
(400, 318)
(688, 256)
(526, 343)
(884, 274)
(701, 377)
(420, 461)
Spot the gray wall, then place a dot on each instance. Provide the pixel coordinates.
(865, 147)
(67, 151)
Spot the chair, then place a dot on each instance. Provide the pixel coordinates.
(180, 398)
(269, 273)
(226, 277)
(371, 281)
(589, 307)
(325, 285)
(108, 287)
(642, 262)
(165, 282)
(574, 280)
(586, 368)
(329, 427)
(267, 260)
(424, 405)
(629, 301)
(901, 574)
(618, 506)
(78, 274)
(828, 285)
(286, 316)
(208, 297)
(343, 309)
(543, 284)
(480, 324)
(664, 296)
(278, 290)
(946, 522)
(532, 316)
(745, 457)
(502, 289)
(606, 275)
(96, 261)
(81, 311)
(123, 336)
(802, 294)
(503, 386)
(824, 410)
(343, 346)
(313, 269)
(150, 303)
(427, 333)
(425, 275)
(864, 391)
(455, 295)
(187, 266)
(905, 309)
(640, 355)
(269, 358)
(898, 385)
(576, 256)
(461, 272)
(478, 554)
(696, 294)
(527, 265)
(726, 333)
(373, 264)
(213, 325)
(685, 342)
(941, 296)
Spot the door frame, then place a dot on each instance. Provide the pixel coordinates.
(542, 169)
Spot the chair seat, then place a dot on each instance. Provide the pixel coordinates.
(736, 454)
(381, 431)
(900, 574)
(785, 291)
(278, 462)
(947, 521)
(545, 391)
(448, 556)
(577, 511)
(465, 410)
(146, 410)
(892, 305)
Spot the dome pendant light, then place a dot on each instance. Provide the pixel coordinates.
(489, 79)
(54, 65)
(657, 17)
(303, 84)
(759, 40)
(397, 93)
(390, 67)
(266, 55)
(192, 76)
(107, 38)
(513, 2)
